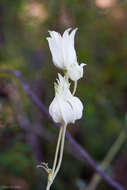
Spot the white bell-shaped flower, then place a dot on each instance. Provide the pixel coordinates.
(64, 54)
(65, 108)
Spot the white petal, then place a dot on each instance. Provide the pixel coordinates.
(67, 112)
(66, 33)
(55, 48)
(55, 112)
(62, 87)
(83, 64)
(78, 107)
(72, 35)
(55, 35)
(68, 49)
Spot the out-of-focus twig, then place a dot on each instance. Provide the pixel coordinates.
(80, 150)
(108, 159)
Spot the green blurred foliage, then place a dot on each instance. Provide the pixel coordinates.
(101, 42)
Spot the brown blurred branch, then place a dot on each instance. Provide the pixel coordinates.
(80, 150)
(35, 129)
(108, 159)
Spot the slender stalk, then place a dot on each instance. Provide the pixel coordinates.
(108, 159)
(66, 76)
(57, 150)
(48, 186)
(61, 151)
(54, 171)
(75, 87)
(50, 175)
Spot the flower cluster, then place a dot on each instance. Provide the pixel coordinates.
(65, 107)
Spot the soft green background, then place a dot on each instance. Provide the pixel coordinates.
(101, 42)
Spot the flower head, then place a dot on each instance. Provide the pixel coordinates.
(64, 54)
(65, 108)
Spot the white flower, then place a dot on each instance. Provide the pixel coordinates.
(65, 108)
(64, 54)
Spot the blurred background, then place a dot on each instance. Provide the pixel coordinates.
(101, 43)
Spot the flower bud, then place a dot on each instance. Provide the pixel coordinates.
(75, 71)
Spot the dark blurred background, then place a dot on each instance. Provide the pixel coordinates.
(101, 43)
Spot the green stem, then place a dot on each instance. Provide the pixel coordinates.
(57, 150)
(48, 186)
(54, 171)
(75, 87)
(61, 151)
